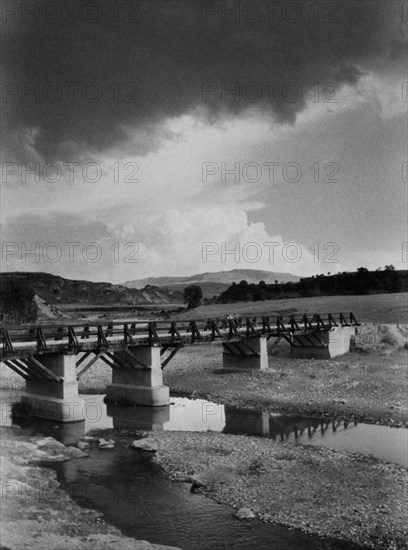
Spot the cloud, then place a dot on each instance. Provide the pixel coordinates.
(175, 242)
(105, 77)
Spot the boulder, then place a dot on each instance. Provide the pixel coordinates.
(244, 513)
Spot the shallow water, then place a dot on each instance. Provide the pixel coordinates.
(132, 494)
(383, 442)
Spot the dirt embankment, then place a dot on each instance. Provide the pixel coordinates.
(324, 492)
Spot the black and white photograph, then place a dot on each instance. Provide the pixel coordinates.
(203, 274)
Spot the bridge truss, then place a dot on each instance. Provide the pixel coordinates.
(21, 347)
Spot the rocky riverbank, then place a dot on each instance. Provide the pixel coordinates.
(36, 513)
(324, 492)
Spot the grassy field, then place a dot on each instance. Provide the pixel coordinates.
(373, 308)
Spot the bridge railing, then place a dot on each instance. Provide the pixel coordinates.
(137, 332)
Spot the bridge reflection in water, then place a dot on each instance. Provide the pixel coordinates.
(190, 415)
(278, 426)
(228, 419)
(138, 418)
(68, 433)
(198, 415)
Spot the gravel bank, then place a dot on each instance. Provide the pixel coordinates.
(327, 493)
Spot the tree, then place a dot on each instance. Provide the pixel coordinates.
(193, 296)
(16, 300)
(389, 268)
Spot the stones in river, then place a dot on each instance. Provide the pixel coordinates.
(49, 449)
(196, 486)
(74, 452)
(244, 513)
(145, 444)
(106, 444)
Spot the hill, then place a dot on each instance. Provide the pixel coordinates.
(359, 282)
(370, 308)
(58, 290)
(46, 311)
(213, 283)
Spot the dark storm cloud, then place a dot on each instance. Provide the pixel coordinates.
(86, 76)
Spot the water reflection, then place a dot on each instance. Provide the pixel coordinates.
(68, 433)
(390, 444)
(278, 426)
(138, 418)
(127, 487)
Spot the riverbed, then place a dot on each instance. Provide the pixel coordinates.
(237, 457)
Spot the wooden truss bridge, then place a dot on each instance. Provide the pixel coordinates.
(52, 358)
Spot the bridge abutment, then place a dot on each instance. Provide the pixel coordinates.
(139, 379)
(324, 344)
(245, 354)
(54, 398)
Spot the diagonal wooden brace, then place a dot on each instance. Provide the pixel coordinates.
(14, 368)
(7, 341)
(41, 343)
(215, 331)
(47, 372)
(72, 339)
(89, 365)
(246, 345)
(24, 367)
(138, 361)
(195, 333)
(153, 336)
(127, 334)
(171, 355)
(102, 341)
(83, 358)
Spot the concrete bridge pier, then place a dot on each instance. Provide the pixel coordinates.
(323, 344)
(56, 396)
(138, 378)
(246, 354)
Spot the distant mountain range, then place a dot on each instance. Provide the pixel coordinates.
(53, 291)
(213, 283)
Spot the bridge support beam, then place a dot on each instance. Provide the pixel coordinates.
(53, 399)
(245, 354)
(323, 344)
(142, 382)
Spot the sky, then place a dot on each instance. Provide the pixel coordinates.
(170, 137)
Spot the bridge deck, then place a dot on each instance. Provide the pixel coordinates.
(24, 341)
